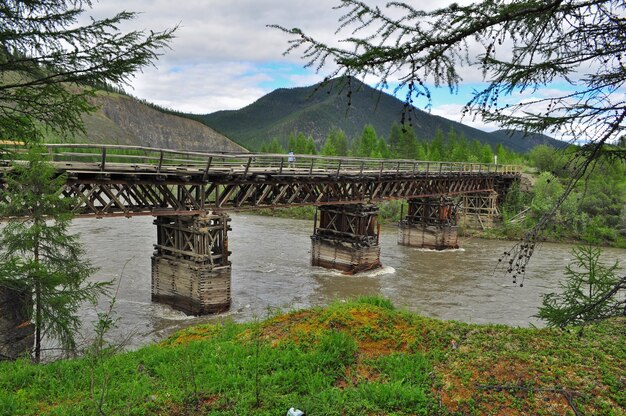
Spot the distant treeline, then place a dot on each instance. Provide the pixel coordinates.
(401, 144)
(594, 212)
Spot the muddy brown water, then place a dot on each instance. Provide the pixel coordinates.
(271, 271)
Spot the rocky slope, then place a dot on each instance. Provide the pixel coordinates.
(124, 120)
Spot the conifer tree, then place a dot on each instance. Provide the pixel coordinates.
(50, 64)
(291, 142)
(39, 253)
(436, 147)
(310, 148)
(329, 148)
(341, 143)
(487, 154)
(408, 146)
(368, 142)
(394, 139)
(336, 143)
(275, 147)
(450, 145)
(382, 150)
(590, 292)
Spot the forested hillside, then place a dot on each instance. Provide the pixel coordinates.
(315, 110)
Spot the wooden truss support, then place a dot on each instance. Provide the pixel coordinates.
(190, 266)
(430, 223)
(431, 211)
(479, 210)
(103, 194)
(346, 238)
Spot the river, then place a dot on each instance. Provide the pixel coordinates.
(271, 271)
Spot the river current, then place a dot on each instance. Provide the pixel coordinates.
(271, 271)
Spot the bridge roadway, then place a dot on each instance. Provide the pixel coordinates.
(109, 180)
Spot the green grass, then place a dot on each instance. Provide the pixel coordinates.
(389, 212)
(359, 357)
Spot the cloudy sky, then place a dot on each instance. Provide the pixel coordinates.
(224, 56)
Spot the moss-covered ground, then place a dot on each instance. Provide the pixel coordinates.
(353, 358)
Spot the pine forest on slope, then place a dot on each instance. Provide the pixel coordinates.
(314, 110)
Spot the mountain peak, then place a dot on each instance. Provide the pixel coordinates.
(345, 103)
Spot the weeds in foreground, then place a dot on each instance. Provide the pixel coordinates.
(358, 357)
(101, 349)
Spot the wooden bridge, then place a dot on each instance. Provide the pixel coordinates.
(190, 192)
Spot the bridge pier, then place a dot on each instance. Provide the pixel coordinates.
(479, 210)
(430, 223)
(346, 238)
(190, 266)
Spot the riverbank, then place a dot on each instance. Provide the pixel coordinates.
(391, 212)
(358, 357)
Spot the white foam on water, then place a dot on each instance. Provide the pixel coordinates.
(370, 273)
(432, 250)
(171, 314)
(379, 272)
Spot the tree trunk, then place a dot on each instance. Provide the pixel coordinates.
(37, 307)
(37, 322)
(16, 329)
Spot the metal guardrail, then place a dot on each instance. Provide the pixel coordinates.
(112, 158)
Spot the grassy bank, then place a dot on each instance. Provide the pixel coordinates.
(389, 212)
(352, 358)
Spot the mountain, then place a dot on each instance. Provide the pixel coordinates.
(314, 110)
(512, 138)
(123, 120)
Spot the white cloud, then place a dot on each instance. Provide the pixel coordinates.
(202, 88)
(225, 57)
(454, 112)
(222, 48)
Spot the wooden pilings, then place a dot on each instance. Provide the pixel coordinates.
(346, 238)
(479, 210)
(430, 223)
(190, 266)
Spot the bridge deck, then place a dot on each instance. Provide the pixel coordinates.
(130, 180)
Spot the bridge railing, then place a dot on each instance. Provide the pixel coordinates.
(111, 158)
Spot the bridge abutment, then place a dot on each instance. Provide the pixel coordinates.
(346, 238)
(190, 266)
(430, 223)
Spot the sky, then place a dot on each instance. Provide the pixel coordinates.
(224, 56)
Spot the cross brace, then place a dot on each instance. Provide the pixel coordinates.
(151, 196)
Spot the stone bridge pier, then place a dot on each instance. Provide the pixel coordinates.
(430, 223)
(346, 238)
(190, 266)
